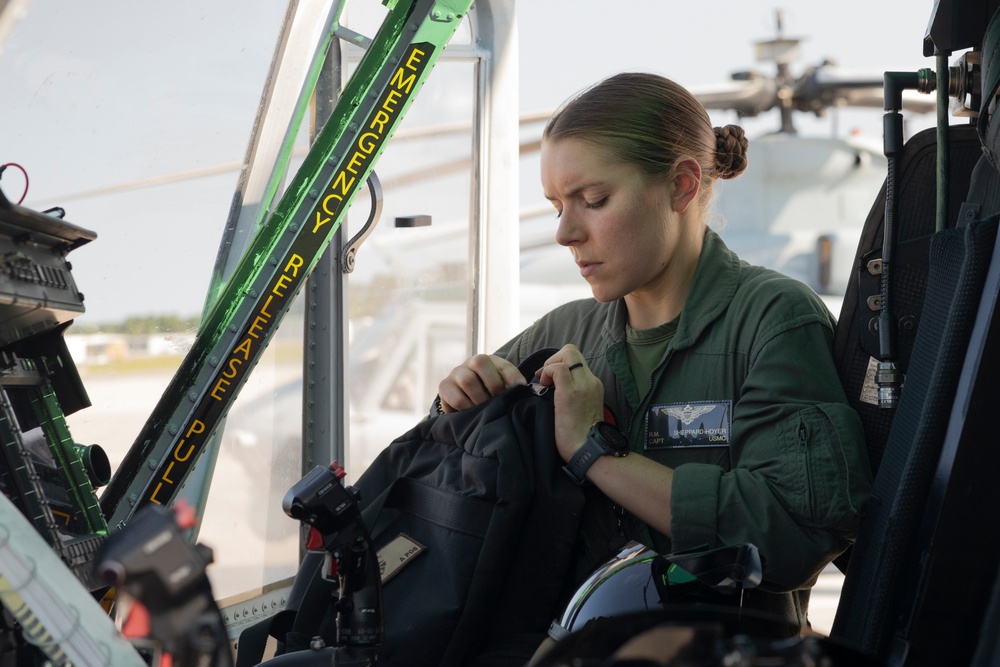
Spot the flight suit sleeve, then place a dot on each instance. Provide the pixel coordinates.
(799, 474)
(513, 350)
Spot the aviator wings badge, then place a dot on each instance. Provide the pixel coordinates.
(688, 413)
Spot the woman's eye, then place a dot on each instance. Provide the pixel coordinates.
(597, 204)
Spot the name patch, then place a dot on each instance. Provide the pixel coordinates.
(696, 424)
(397, 554)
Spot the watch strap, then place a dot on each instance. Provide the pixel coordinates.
(580, 462)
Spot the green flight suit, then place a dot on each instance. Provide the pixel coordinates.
(747, 408)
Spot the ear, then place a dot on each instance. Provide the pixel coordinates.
(686, 184)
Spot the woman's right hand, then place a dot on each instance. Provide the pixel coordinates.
(477, 380)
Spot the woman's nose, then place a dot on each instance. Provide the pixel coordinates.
(568, 232)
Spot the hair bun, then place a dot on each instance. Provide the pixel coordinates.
(730, 151)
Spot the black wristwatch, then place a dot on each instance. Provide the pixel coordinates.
(604, 439)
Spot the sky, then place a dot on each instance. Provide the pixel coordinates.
(107, 92)
(567, 44)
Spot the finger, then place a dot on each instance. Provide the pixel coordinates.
(564, 366)
(456, 397)
(477, 380)
(462, 389)
(569, 355)
(509, 373)
(563, 374)
(487, 370)
(451, 399)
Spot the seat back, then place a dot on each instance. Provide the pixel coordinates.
(884, 550)
(882, 577)
(953, 555)
(856, 339)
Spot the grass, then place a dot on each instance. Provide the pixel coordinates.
(166, 363)
(282, 350)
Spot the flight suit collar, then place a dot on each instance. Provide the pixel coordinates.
(715, 282)
(716, 279)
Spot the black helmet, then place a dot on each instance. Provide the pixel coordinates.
(640, 603)
(620, 586)
(638, 579)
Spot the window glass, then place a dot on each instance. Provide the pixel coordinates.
(408, 292)
(137, 126)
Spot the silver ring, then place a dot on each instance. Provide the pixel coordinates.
(576, 365)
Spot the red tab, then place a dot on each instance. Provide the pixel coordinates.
(314, 541)
(338, 470)
(138, 624)
(185, 515)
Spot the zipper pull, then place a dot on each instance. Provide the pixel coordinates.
(619, 538)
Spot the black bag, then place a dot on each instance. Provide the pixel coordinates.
(483, 491)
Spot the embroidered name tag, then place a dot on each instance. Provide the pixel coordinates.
(696, 424)
(397, 554)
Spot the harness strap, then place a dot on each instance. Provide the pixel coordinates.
(989, 133)
(983, 197)
(462, 514)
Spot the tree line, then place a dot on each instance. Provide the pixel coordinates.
(139, 325)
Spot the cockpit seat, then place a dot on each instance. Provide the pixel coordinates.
(942, 310)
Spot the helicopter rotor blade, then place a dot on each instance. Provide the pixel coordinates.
(827, 86)
(747, 98)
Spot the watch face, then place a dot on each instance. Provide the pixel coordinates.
(614, 438)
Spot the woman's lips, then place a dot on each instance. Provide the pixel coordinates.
(588, 269)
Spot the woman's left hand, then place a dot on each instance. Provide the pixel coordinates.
(578, 398)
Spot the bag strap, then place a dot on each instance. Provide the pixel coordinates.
(312, 617)
(282, 626)
(534, 361)
(463, 514)
(253, 643)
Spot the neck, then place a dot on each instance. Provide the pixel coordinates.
(653, 307)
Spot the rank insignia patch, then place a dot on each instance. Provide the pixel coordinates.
(696, 424)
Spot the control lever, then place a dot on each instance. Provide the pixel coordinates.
(173, 612)
(330, 509)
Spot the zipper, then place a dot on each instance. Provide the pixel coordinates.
(804, 444)
(620, 536)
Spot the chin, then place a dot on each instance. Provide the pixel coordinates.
(604, 296)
